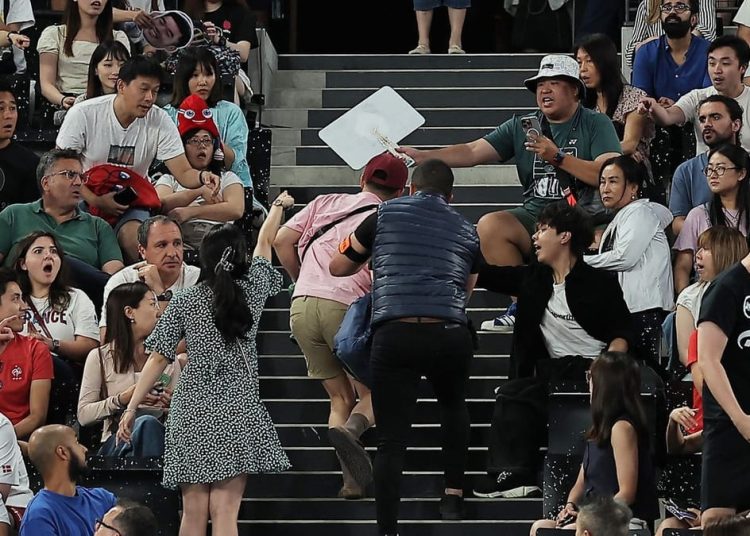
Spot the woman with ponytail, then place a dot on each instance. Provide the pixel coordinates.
(218, 429)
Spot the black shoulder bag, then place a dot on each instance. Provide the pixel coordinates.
(323, 230)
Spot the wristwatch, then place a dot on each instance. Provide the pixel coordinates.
(559, 157)
(278, 203)
(55, 345)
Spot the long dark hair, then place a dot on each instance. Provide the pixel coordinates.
(59, 291)
(196, 9)
(119, 334)
(738, 156)
(616, 395)
(223, 254)
(190, 59)
(728, 526)
(603, 54)
(72, 21)
(107, 49)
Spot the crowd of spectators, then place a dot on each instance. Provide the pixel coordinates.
(633, 225)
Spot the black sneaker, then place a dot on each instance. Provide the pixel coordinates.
(506, 485)
(452, 508)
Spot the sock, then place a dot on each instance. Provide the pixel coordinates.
(357, 424)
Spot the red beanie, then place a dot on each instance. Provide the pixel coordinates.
(194, 114)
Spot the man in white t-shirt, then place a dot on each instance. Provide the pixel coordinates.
(14, 481)
(162, 268)
(742, 20)
(126, 129)
(728, 58)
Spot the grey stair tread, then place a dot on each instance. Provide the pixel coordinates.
(437, 97)
(421, 136)
(460, 116)
(403, 61)
(431, 78)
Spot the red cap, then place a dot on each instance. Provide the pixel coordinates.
(194, 114)
(386, 170)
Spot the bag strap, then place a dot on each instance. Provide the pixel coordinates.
(39, 319)
(564, 179)
(103, 394)
(323, 230)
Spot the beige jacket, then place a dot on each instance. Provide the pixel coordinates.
(92, 409)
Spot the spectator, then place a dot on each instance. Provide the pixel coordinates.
(198, 209)
(726, 171)
(456, 15)
(651, 22)
(17, 163)
(133, 16)
(606, 93)
(673, 64)
(209, 450)
(549, 168)
(62, 507)
(320, 301)
(89, 242)
(111, 372)
(20, 16)
(730, 526)
(104, 70)
(425, 258)
(634, 245)
(569, 313)
(127, 518)
(617, 458)
(126, 129)
(604, 516)
(728, 57)
(65, 50)
(162, 268)
(14, 481)
(742, 20)
(720, 120)
(27, 370)
(197, 74)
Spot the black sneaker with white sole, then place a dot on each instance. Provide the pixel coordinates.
(506, 485)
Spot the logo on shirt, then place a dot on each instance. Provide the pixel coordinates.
(545, 184)
(121, 155)
(16, 373)
(6, 469)
(746, 307)
(743, 341)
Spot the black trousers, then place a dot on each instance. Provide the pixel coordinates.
(401, 354)
(519, 420)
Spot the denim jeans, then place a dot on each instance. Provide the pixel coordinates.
(147, 440)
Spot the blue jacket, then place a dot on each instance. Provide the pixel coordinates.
(422, 258)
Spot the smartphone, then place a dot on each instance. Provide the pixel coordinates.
(683, 514)
(531, 126)
(126, 196)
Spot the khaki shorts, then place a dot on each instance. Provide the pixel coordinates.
(314, 323)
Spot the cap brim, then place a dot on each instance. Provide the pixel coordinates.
(532, 82)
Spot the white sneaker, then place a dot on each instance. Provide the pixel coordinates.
(421, 49)
(456, 49)
(503, 323)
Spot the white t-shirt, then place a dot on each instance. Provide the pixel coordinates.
(562, 334)
(743, 14)
(689, 106)
(92, 128)
(692, 297)
(188, 278)
(12, 470)
(78, 319)
(21, 13)
(227, 179)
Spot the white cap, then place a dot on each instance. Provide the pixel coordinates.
(556, 66)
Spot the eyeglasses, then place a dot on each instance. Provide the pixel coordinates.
(717, 170)
(677, 8)
(70, 175)
(100, 523)
(200, 142)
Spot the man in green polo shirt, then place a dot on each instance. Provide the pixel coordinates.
(581, 141)
(89, 244)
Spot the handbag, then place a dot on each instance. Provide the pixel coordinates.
(353, 341)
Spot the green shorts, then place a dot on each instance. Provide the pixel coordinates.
(526, 217)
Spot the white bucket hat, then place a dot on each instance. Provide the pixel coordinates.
(556, 66)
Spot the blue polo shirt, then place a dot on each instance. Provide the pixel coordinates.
(656, 73)
(689, 186)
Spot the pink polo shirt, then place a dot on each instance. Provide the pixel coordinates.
(315, 279)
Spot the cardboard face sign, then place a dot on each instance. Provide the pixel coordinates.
(170, 30)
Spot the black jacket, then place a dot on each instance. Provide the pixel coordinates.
(594, 298)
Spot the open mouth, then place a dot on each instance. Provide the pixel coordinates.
(96, 4)
(718, 79)
(47, 267)
(202, 154)
(547, 100)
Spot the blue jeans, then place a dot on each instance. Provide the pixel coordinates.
(146, 441)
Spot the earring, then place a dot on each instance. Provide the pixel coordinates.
(632, 197)
(132, 320)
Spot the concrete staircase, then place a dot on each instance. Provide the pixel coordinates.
(462, 98)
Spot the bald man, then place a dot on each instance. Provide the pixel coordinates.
(62, 508)
(127, 518)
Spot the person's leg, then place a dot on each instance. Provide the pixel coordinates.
(195, 498)
(671, 523)
(504, 238)
(225, 498)
(127, 237)
(712, 515)
(456, 18)
(394, 397)
(424, 23)
(542, 524)
(147, 439)
(364, 406)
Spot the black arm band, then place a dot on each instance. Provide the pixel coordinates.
(354, 256)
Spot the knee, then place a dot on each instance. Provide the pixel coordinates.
(222, 509)
(343, 399)
(148, 423)
(490, 226)
(670, 523)
(541, 524)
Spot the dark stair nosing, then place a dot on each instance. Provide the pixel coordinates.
(403, 61)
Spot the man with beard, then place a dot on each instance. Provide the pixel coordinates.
(674, 64)
(728, 57)
(720, 121)
(62, 507)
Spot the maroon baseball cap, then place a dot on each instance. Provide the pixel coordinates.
(386, 170)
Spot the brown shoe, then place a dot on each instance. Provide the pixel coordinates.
(352, 455)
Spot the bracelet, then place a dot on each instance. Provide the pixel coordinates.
(126, 410)
(63, 100)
